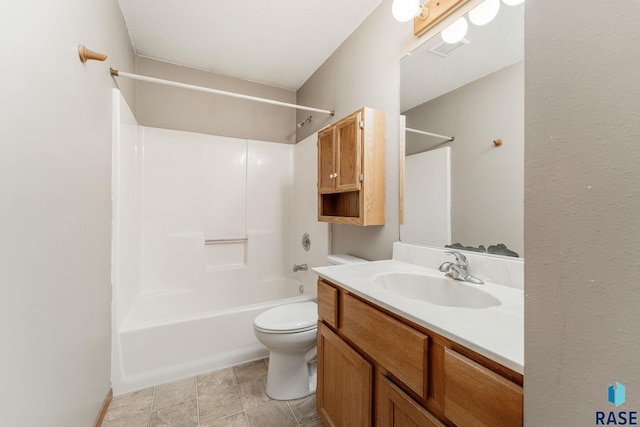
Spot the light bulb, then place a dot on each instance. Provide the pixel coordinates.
(484, 12)
(512, 2)
(405, 10)
(455, 32)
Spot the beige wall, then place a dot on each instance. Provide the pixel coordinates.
(55, 187)
(364, 71)
(180, 109)
(582, 209)
(487, 183)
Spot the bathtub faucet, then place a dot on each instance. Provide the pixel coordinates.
(298, 267)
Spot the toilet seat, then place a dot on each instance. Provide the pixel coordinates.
(288, 318)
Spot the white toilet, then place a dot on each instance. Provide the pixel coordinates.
(290, 333)
(339, 259)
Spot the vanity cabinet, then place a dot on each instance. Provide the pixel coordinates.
(377, 368)
(351, 169)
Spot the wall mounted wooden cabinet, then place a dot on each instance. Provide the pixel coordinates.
(376, 368)
(351, 169)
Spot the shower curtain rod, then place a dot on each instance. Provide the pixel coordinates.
(448, 138)
(117, 73)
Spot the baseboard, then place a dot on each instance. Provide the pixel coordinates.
(105, 408)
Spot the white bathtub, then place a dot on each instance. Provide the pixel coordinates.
(178, 334)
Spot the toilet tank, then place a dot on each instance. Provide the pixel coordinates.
(340, 259)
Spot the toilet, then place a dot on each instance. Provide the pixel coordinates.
(340, 259)
(290, 333)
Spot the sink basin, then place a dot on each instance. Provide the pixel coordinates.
(435, 290)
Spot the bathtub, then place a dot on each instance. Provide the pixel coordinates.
(181, 333)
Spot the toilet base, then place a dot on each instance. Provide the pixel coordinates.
(290, 376)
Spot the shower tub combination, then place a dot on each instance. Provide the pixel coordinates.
(202, 244)
(174, 335)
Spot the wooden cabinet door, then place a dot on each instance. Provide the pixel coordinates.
(475, 396)
(345, 383)
(326, 161)
(396, 409)
(348, 139)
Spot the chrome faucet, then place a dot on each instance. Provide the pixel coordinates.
(298, 267)
(459, 270)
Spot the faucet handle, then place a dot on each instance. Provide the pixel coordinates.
(445, 266)
(460, 258)
(459, 270)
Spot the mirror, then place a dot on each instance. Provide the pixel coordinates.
(470, 190)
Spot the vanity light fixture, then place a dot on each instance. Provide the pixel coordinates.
(484, 12)
(406, 10)
(430, 14)
(456, 31)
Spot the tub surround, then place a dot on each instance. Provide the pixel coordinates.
(495, 332)
(183, 305)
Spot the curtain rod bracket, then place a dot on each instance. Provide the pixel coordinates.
(87, 54)
(113, 72)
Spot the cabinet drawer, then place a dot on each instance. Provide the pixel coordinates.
(476, 396)
(401, 350)
(328, 304)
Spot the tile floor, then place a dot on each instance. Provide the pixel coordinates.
(232, 397)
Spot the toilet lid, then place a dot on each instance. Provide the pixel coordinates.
(296, 317)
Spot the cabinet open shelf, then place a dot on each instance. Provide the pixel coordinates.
(340, 205)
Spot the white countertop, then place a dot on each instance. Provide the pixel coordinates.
(495, 332)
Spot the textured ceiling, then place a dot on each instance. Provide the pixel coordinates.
(275, 42)
(425, 75)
